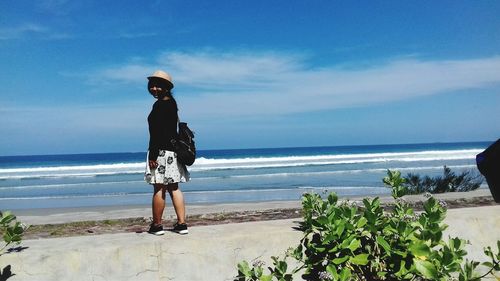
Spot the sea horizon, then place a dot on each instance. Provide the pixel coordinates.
(266, 148)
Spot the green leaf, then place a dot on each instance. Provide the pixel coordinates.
(332, 198)
(375, 203)
(331, 269)
(18, 229)
(381, 241)
(340, 228)
(322, 220)
(402, 269)
(244, 268)
(7, 238)
(345, 274)
(332, 215)
(459, 244)
(370, 216)
(266, 278)
(7, 217)
(488, 264)
(367, 203)
(420, 249)
(340, 260)
(430, 205)
(361, 222)
(319, 249)
(258, 271)
(361, 259)
(347, 241)
(355, 244)
(427, 269)
(281, 266)
(330, 237)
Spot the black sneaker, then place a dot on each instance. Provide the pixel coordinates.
(181, 228)
(156, 229)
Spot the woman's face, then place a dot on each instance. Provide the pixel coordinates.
(156, 88)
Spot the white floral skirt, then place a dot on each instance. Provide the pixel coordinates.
(168, 170)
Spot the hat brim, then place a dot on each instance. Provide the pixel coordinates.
(162, 79)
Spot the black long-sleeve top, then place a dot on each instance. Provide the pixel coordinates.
(162, 126)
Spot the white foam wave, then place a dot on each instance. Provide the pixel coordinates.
(350, 171)
(72, 171)
(204, 164)
(117, 166)
(68, 185)
(208, 164)
(252, 176)
(86, 196)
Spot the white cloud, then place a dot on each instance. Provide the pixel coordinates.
(28, 30)
(135, 35)
(21, 30)
(271, 83)
(209, 71)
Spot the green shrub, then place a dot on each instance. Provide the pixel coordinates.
(344, 241)
(450, 182)
(11, 230)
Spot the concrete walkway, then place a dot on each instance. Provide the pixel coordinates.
(207, 253)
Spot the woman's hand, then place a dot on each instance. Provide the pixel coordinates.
(153, 164)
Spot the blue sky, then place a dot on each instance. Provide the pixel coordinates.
(248, 74)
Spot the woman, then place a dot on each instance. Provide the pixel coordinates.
(162, 169)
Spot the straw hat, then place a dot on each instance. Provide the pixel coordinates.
(162, 75)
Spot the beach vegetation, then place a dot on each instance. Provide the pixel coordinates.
(56, 233)
(110, 222)
(449, 182)
(362, 241)
(11, 230)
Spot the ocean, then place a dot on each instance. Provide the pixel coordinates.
(223, 176)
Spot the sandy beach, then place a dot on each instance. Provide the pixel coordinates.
(63, 222)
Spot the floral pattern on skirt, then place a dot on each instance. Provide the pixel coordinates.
(168, 170)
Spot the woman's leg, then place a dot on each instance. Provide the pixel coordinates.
(158, 204)
(178, 202)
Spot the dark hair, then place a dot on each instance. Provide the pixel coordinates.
(163, 84)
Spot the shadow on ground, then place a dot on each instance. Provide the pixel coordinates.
(6, 273)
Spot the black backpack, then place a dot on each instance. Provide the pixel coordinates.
(488, 163)
(184, 145)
